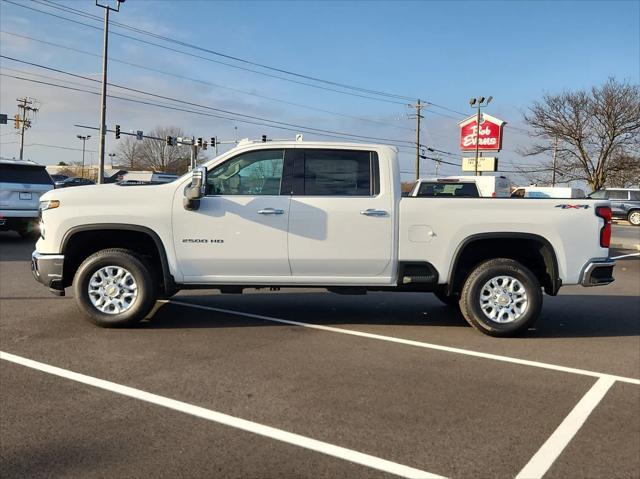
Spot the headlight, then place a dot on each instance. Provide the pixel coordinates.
(49, 205)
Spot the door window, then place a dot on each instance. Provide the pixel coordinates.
(253, 173)
(338, 173)
(617, 194)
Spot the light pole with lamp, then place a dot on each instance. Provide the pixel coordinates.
(111, 155)
(103, 102)
(478, 103)
(84, 139)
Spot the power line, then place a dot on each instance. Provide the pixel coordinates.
(224, 55)
(150, 103)
(208, 107)
(182, 52)
(387, 95)
(197, 80)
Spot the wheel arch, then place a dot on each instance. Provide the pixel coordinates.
(128, 236)
(518, 246)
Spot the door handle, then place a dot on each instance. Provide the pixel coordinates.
(271, 211)
(373, 212)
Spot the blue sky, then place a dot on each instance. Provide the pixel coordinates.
(442, 52)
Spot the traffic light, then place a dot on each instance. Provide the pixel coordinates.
(16, 118)
(117, 132)
(169, 140)
(199, 142)
(213, 142)
(264, 138)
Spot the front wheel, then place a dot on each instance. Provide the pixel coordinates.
(501, 297)
(634, 217)
(115, 288)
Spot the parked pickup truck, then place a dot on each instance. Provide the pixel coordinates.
(311, 214)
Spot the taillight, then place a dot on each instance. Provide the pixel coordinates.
(604, 212)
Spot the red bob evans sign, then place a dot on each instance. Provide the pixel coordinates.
(490, 137)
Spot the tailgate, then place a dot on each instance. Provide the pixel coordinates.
(18, 196)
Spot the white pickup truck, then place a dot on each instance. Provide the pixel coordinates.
(315, 214)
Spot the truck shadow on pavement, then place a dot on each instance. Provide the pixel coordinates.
(562, 317)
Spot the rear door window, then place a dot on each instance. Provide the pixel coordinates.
(617, 194)
(26, 174)
(337, 173)
(634, 195)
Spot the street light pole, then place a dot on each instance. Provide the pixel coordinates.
(84, 141)
(480, 102)
(111, 155)
(103, 101)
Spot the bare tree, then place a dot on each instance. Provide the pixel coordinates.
(156, 155)
(597, 133)
(128, 152)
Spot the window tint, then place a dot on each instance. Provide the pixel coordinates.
(461, 190)
(340, 173)
(617, 194)
(11, 173)
(634, 195)
(252, 173)
(598, 195)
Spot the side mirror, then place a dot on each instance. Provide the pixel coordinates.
(196, 190)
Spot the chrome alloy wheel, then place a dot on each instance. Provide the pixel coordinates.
(503, 299)
(634, 218)
(112, 290)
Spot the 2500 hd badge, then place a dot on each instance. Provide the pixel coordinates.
(201, 240)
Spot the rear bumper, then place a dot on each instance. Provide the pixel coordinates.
(597, 272)
(47, 269)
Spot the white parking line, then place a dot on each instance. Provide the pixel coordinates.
(420, 344)
(553, 447)
(626, 256)
(249, 426)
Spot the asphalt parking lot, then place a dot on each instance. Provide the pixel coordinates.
(312, 384)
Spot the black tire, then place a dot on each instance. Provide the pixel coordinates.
(447, 299)
(481, 274)
(634, 217)
(142, 274)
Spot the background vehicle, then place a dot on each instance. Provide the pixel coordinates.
(143, 177)
(74, 181)
(625, 202)
(548, 192)
(468, 186)
(58, 178)
(21, 185)
(314, 214)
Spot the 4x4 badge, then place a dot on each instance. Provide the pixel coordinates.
(576, 207)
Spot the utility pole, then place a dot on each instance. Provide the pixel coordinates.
(437, 163)
(418, 106)
(24, 106)
(103, 101)
(555, 152)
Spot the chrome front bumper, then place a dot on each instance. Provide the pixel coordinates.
(47, 269)
(597, 272)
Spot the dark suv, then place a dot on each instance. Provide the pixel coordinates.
(625, 202)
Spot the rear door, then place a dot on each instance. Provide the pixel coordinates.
(341, 225)
(618, 199)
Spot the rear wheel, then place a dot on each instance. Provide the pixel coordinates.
(115, 288)
(501, 297)
(634, 217)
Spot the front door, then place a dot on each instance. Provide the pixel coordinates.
(239, 232)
